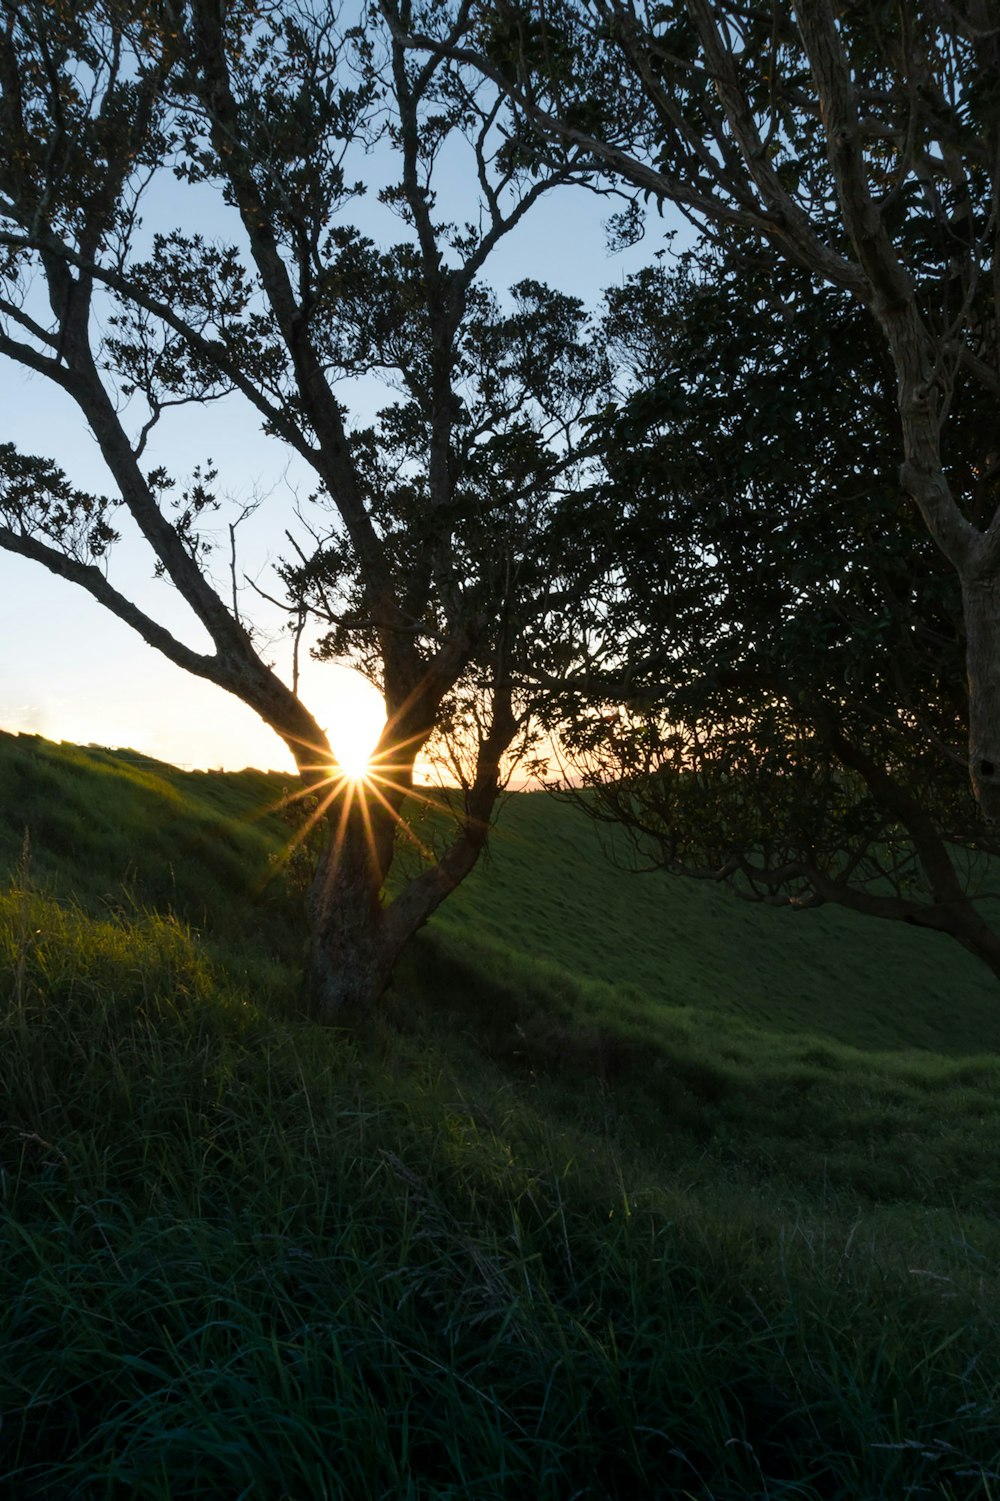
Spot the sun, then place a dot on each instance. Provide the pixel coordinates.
(356, 717)
(353, 745)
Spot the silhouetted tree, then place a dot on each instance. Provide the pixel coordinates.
(780, 642)
(421, 550)
(861, 142)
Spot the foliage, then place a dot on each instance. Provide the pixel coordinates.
(422, 552)
(859, 144)
(781, 642)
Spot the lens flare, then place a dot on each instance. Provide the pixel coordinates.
(355, 723)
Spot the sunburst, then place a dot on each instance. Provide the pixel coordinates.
(359, 777)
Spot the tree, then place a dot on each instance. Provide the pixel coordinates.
(422, 550)
(788, 710)
(862, 144)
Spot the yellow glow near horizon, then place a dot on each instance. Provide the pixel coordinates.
(355, 725)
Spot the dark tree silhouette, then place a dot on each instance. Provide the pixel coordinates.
(423, 551)
(862, 144)
(781, 641)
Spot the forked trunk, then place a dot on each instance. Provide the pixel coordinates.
(355, 939)
(351, 955)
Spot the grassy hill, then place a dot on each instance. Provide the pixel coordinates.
(550, 891)
(633, 1190)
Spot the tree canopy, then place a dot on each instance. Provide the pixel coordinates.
(734, 540)
(862, 144)
(790, 706)
(422, 551)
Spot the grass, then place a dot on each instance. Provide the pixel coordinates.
(691, 944)
(551, 1227)
(120, 827)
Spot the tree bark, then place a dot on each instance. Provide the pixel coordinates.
(351, 957)
(355, 936)
(981, 602)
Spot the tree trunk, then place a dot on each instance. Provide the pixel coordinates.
(355, 937)
(981, 601)
(351, 954)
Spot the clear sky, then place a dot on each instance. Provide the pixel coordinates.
(72, 671)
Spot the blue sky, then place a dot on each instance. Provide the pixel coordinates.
(71, 671)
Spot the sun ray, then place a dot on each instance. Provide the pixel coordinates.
(362, 762)
(362, 789)
(407, 830)
(409, 791)
(313, 817)
(302, 832)
(348, 787)
(298, 794)
(307, 789)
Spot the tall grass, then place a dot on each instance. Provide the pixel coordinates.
(496, 1246)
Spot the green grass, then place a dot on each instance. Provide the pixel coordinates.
(116, 826)
(561, 1223)
(549, 891)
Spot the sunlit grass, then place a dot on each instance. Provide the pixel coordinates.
(543, 1230)
(550, 894)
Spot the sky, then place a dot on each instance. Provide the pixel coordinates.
(71, 671)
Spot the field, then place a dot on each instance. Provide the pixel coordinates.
(633, 1190)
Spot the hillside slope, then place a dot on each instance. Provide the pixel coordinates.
(582, 1214)
(554, 887)
(553, 890)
